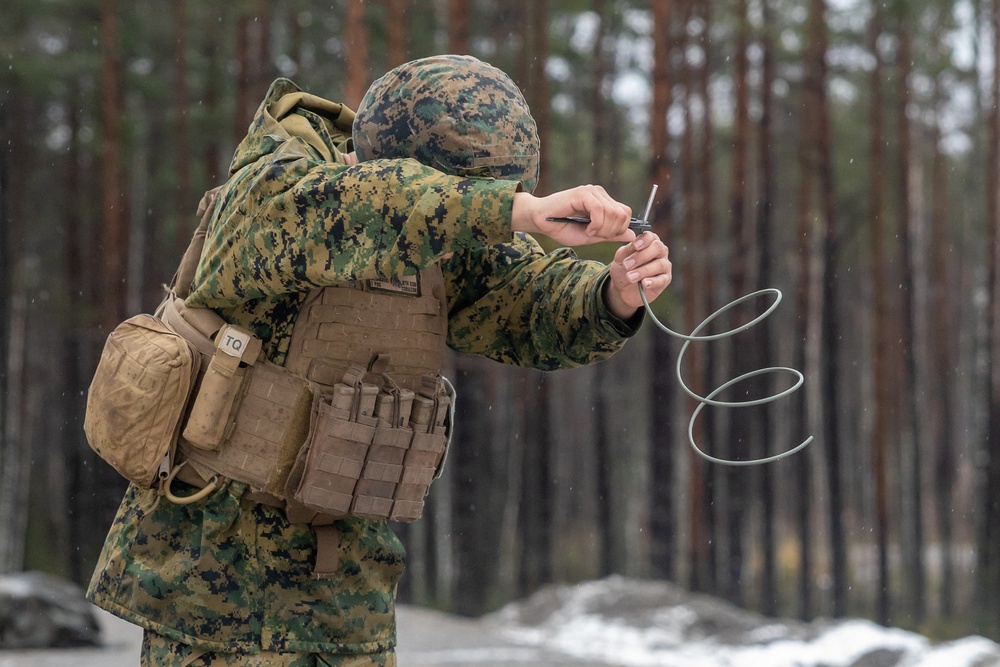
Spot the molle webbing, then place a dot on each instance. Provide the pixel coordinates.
(354, 424)
(340, 327)
(269, 424)
(374, 450)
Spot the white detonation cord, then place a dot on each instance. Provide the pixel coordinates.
(710, 399)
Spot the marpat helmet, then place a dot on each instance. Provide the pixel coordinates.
(454, 113)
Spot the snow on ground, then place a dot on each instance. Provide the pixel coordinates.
(614, 622)
(641, 623)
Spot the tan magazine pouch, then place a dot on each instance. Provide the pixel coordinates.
(372, 452)
(137, 399)
(430, 421)
(329, 466)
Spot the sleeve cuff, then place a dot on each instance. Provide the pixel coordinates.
(609, 322)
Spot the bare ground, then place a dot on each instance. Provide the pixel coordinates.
(426, 639)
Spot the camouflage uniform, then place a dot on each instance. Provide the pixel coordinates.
(229, 575)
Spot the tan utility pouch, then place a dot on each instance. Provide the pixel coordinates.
(270, 420)
(138, 396)
(212, 415)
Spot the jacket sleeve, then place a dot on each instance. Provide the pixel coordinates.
(292, 224)
(515, 304)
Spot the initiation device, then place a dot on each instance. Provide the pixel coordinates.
(641, 225)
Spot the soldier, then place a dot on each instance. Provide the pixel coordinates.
(434, 208)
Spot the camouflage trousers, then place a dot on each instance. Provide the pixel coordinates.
(158, 651)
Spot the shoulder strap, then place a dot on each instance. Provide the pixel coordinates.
(181, 282)
(197, 325)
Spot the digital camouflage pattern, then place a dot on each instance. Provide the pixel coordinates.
(455, 113)
(159, 651)
(227, 574)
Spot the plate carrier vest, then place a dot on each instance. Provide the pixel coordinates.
(355, 423)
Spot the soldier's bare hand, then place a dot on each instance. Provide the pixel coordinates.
(645, 260)
(608, 218)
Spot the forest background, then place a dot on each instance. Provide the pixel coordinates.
(842, 151)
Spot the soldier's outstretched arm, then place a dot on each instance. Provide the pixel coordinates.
(643, 260)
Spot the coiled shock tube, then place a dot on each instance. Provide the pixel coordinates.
(710, 398)
(639, 226)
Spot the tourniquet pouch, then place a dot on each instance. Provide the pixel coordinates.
(137, 399)
(212, 416)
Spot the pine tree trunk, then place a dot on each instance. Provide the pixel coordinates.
(181, 136)
(536, 487)
(805, 233)
(10, 460)
(75, 347)
(458, 26)
(540, 96)
(663, 529)
(700, 532)
(478, 455)
(767, 190)
(263, 70)
(356, 56)
(398, 32)
(211, 156)
(988, 553)
(830, 337)
(943, 389)
(741, 430)
(244, 69)
(884, 410)
(915, 589)
(599, 173)
(115, 203)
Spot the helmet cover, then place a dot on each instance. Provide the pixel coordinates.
(454, 113)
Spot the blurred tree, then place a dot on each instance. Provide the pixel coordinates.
(815, 83)
(914, 588)
(398, 32)
(536, 446)
(458, 26)
(114, 182)
(701, 545)
(943, 311)
(181, 102)
(663, 528)
(767, 192)
(988, 554)
(356, 53)
(13, 466)
(741, 231)
(884, 405)
(805, 297)
(600, 169)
